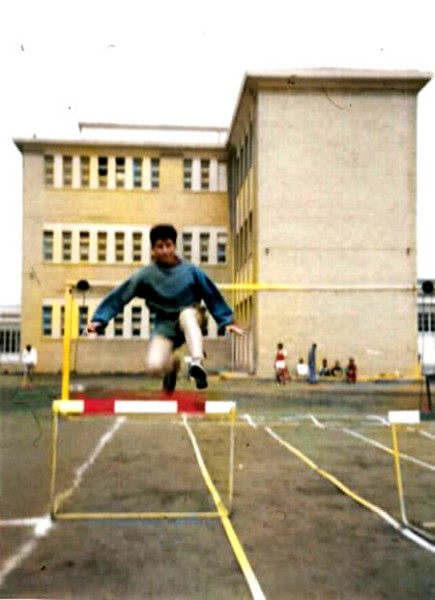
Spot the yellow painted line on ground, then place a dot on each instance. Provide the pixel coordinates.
(253, 584)
(380, 512)
(135, 515)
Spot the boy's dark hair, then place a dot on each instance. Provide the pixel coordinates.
(163, 232)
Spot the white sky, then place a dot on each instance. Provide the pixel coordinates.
(182, 62)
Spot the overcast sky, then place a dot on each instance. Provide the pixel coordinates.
(182, 62)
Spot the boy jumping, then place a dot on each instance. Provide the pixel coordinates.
(173, 290)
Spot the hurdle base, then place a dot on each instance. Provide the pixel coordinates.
(135, 516)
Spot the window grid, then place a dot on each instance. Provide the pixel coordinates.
(84, 242)
(118, 328)
(205, 173)
(67, 171)
(426, 322)
(49, 170)
(67, 246)
(221, 248)
(101, 246)
(120, 171)
(137, 246)
(47, 245)
(137, 172)
(155, 173)
(136, 321)
(187, 173)
(47, 318)
(62, 320)
(187, 246)
(204, 247)
(103, 169)
(119, 246)
(85, 171)
(83, 318)
(9, 341)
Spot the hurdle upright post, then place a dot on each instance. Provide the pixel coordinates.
(67, 343)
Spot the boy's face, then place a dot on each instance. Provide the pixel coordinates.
(163, 252)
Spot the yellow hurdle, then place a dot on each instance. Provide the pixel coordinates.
(70, 409)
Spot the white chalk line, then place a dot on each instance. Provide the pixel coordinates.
(383, 514)
(80, 472)
(376, 444)
(250, 420)
(42, 525)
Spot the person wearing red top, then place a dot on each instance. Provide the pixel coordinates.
(351, 371)
(281, 370)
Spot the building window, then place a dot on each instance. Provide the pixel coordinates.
(204, 247)
(155, 173)
(9, 341)
(84, 246)
(83, 319)
(205, 174)
(137, 246)
(137, 172)
(136, 321)
(67, 171)
(187, 246)
(221, 248)
(66, 246)
(47, 245)
(187, 173)
(103, 169)
(119, 246)
(62, 321)
(84, 171)
(102, 246)
(119, 325)
(120, 171)
(49, 170)
(426, 322)
(47, 316)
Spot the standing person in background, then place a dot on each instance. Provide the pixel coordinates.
(312, 372)
(174, 291)
(351, 371)
(29, 359)
(281, 370)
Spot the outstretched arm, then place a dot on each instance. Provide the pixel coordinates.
(112, 304)
(234, 328)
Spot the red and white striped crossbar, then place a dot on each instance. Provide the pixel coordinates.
(112, 406)
(409, 417)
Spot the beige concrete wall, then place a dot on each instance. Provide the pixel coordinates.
(375, 328)
(119, 356)
(336, 207)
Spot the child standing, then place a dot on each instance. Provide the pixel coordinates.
(29, 359)
(351, 371)
(173, 290)
(281, 370)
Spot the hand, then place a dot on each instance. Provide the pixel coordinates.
(93, 327)
(234, 328)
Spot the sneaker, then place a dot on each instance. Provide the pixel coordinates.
(170, 378)
(198, 373)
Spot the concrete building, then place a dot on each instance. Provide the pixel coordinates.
(88, 207)
(316, 227)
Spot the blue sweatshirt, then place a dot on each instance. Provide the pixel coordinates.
(167, 290)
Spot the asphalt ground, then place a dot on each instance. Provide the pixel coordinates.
(303, 537)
